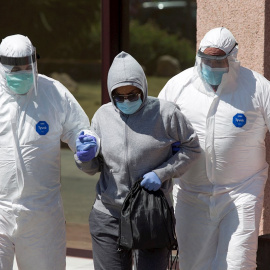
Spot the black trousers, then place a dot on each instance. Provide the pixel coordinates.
(104, 233)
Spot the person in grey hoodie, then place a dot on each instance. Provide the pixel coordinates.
(136, 134)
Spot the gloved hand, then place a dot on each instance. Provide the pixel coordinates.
(151, 181)
(176, 147)
(86, 146)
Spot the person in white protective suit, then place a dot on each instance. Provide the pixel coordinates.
(36, 113)
(218, 202)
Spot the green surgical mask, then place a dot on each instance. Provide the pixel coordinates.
(20, 83)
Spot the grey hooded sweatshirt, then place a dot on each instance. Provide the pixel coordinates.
(133, 145)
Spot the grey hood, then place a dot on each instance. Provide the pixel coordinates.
(125, 70)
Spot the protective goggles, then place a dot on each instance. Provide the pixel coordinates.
(131, 97)
(215, 57)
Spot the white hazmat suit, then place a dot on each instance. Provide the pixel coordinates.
(218, 202)
(32, 223)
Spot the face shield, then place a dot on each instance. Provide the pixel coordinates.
(18, 67)
(213, 69)
(20, 73)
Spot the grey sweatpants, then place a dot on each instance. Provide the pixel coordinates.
(104, 232)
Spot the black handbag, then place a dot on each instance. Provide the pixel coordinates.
(147, 221)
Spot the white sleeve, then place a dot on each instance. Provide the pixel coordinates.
(263, 97)
(75, 120)
(172, 89)
(164, 92)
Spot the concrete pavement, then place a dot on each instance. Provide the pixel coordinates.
(73, 263)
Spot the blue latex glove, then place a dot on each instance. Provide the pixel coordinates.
(176, 147)
(86, 146)
(151, 181)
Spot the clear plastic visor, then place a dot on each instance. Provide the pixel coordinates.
(221, 63)
(17, 64)
(18, 61)
(228, 66)
(211, 57)
(218, 59)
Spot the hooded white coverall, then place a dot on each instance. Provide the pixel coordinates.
(218, 202)
(32, 223)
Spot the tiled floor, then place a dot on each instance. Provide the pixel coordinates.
(73, 263)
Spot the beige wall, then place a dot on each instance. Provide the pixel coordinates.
(248, 20)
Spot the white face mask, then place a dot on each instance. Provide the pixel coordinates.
(213, 76)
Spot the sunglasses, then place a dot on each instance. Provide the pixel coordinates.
(131, 97)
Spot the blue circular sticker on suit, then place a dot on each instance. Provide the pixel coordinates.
(42, 128)
(239, 120)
